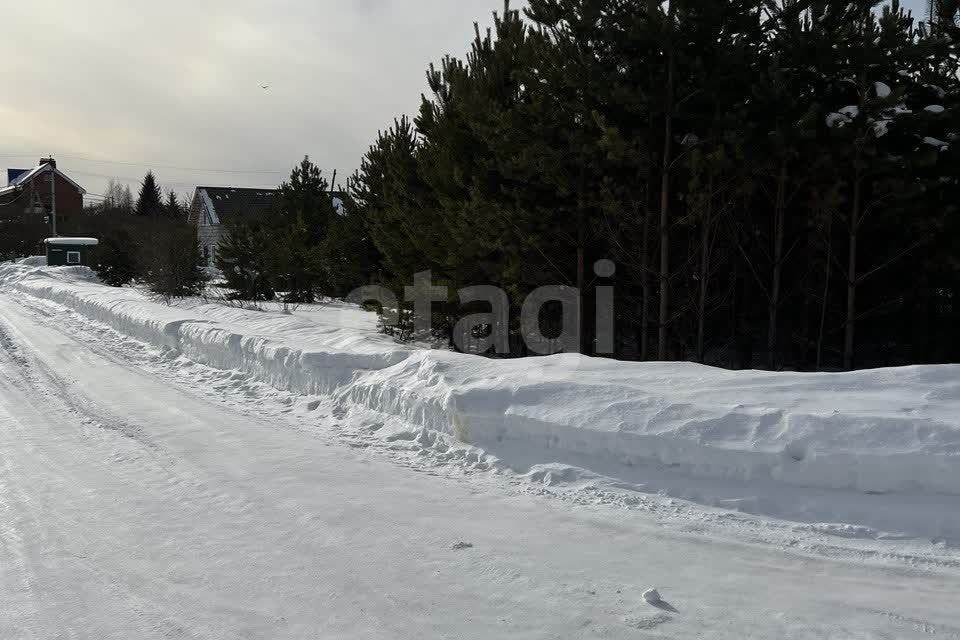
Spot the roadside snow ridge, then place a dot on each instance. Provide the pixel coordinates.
(879, 431)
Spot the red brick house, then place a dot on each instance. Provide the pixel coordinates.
(29, 193)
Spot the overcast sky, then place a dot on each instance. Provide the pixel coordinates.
(177, 83)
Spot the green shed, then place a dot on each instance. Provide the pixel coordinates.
(70, 251)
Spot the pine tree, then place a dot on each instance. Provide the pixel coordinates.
(305, 197)
(395, 203)
(243, 257)
(348, 257)
(171, 261)
(172, 207)
(294, 261)
(397, 209)
(476, 153)
(150, 201)
(115, 260)
(305, 211)
(866, 87)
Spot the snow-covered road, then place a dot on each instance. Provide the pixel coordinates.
(132, 506)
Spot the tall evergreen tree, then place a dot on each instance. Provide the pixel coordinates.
(398, 207)
(115, 260)
(348, 256)
(305, 209)
(243, 257)
(149, 201)
(171, 260)
(172, 207)
(305, 197)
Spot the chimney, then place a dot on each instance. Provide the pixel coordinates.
(49, 161)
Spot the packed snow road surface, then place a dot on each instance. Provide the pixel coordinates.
(146, 496)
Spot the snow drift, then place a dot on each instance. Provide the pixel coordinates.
(880, 431)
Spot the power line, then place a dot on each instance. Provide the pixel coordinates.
(148, 164)
(132, 180)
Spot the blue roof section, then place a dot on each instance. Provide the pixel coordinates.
(13, 174)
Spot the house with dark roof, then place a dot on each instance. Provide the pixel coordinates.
(30, 193)
(213, 209)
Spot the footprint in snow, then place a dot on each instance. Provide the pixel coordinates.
(646, 624)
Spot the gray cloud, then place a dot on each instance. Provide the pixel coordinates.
(178, 82)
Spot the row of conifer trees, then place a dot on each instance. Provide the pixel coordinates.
(777, 182)
(304, 247)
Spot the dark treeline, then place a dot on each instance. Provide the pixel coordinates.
(304, 247)
(777, 182)
(146, 240)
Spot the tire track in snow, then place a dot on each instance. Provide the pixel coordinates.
(20, 518)
(33, 387)
(189, 495)
(924, 626)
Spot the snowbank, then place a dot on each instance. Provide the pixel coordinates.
(888, 430)
(286, 351)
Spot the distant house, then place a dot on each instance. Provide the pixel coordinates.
(29, 193)
(213, 208)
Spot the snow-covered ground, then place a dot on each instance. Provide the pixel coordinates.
(204, 471)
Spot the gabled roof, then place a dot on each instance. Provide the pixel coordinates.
(223, 204)
(228, 203)
(24, 178)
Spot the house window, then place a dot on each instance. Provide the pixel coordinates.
(73, 257)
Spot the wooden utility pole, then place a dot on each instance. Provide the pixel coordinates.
(53, 201)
